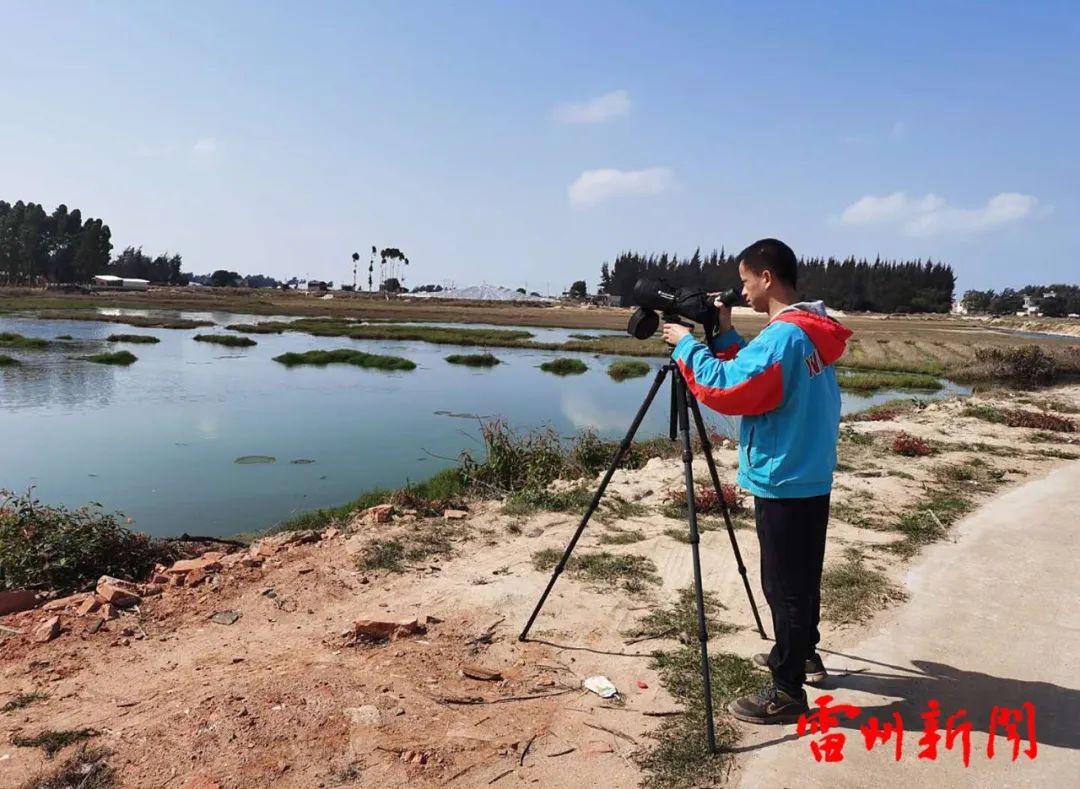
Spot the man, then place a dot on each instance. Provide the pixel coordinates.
(784, 387)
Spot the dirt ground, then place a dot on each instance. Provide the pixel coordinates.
(283, 697)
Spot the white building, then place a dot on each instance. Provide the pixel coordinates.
(119, 283)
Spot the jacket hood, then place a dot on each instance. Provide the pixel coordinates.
(828, 335)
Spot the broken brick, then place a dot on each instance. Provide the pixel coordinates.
(120, 593)
(380, 513)
(89, 606)
(149, 590)
(473, 671)
(187, 565)
(108, 611)
(15, 600)
(195, 577)
(382, 629)
(47, 630)
(455, 515)
(64, 602)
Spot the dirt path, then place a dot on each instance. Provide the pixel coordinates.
(991, 620)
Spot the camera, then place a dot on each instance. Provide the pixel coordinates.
(655, 296)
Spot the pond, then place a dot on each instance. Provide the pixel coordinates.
(160, 440)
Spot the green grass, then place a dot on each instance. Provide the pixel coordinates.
(23, 700)
(144, 339)
(886, 411)
(337, 327)
(8, 361)
(254, 328)
(85, 769)
(12, 340)
(678, 619)
(853, 592)
(621, 537)
(564, 366)
(142, 321)
(530, 500)
(64, 337)
(473, 360)
(874, 381)
(52, 741)
(228, 340)
(346, 356)
(417, 545)
(629, 571)
(626, 368)
(119, 357)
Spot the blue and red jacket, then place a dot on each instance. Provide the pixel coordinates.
(783, 385)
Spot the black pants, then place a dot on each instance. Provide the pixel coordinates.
(792, 537)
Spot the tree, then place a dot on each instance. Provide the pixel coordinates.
(1008, 302)
(977, 301)
(390, 285)
(520, 290)
(1053, 307)
(605, 279)
(578, 291)
(224, 279)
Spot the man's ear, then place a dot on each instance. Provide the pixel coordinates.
(766, 279)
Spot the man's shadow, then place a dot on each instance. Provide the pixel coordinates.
(1057, 708)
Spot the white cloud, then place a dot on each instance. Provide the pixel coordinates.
(597, 110)
(205, 147)
(931, 215)
(595, 186)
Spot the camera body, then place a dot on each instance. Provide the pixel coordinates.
(655, 297)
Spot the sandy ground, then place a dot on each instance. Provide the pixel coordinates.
(992, 621)
(274, 699)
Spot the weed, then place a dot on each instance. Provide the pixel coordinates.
(530, 500)
(23, 700)
(564, 366)
(627, 569)
(142, 321)
(872, 381)
(52, 741)
(884, 412)
(955, 473)
(679, 619)
(345, 356)
(1023, 366)
(144, 339)
(338, 327)
(911, 446)
(85, 769)
(624, 369)
(1019, 418)
(706, 502)
(383, 555)
(621, 536)
(414, 546)
(1060, 454)
(852, 436)
(852, 592)
(123, 358)
(473, 360)
(254, 328)
(229, 340)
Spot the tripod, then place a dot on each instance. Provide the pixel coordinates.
(682, 404)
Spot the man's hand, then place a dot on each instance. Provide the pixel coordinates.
(673, 332)
(723, 321)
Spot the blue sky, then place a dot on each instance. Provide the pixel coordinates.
(520, 143)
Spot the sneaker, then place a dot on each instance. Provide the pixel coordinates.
(815, 669)
(770, 705)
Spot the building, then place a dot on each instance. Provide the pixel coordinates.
(111, 282)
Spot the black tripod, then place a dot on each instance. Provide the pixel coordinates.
(682, 403)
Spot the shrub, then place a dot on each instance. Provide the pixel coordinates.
(564, 366)
(910, 446)
(1020, 418)
(1027, 365)
(43, 547)
(474, 359)
(706, 502)
(230, 340)
(517, 461)
(623, 369)
(119, 357)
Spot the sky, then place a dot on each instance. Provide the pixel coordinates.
(524, 144)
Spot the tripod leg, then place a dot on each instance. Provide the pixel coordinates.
(691, 510)
(707, 448)
(623, 447)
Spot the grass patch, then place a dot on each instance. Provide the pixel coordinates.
(12, 340)
(1020, 418)
(142, 321)
(853, 592)
(625, 368)
(530, 500)
(144, 339)
(424, 541)
(679, 619)
(64, 337)
(85, 769)
(473, 359)
(346, 356)
(254, 328)
(338, 327)
(23, 700)
(8, 361)
(628, 570)
(52, 741)
(621, 536)
(123, 358)
(884, 412)
(852, 436)
(564, 366)
(874, 381)
(228, 340)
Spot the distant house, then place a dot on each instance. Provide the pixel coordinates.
(1033, 304)
(119, 283)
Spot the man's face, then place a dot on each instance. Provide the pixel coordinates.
(755, 288)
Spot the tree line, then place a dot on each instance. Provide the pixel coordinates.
(847, 284)
(1053, 301)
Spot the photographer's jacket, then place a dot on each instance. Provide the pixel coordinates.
(784, 386)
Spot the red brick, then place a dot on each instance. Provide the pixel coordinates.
(380, 513)
(119, 593)
(89, 605)
(187, 565)
(387, 628)
(47, 630)
(195, 577)
(15, 600)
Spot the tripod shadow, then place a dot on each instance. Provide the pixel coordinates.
(576, 648)
(1057, 708)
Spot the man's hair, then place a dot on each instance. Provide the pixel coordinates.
(771, 254)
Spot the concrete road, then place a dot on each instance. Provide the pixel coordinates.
(993, 619)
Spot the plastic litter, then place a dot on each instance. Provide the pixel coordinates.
(601, 686)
